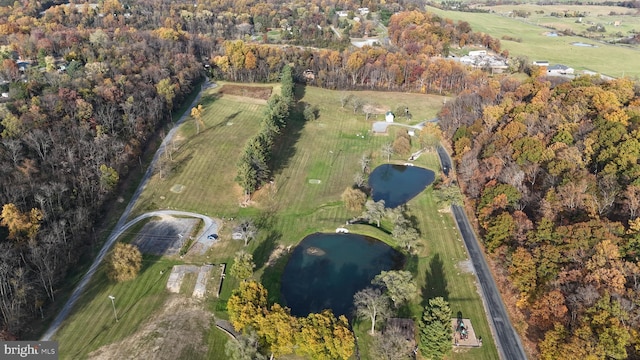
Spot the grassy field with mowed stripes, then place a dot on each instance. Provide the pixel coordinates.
(199, 176)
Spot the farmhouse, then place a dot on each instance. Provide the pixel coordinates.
(559, 69)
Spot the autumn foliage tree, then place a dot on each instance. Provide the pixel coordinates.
(318, 336)
(354, 199)
(124, 263)
(551, 168)
(21, 225)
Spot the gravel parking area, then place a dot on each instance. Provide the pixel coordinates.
(165, 236)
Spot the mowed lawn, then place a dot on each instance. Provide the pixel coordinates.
(92, 323)
(199, 169)
(616, 61)
(326, 151)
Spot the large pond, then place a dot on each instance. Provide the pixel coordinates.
(326, 270)
(397, 184)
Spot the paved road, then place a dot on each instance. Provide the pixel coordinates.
(121, 226)
(445, 160)
(507, 340)
(381, 126)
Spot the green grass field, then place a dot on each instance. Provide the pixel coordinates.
(616, 61)
(92, 323)
(327, 149)
(617, 21)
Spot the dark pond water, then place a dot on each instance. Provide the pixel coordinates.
(326, 270)
(397, 184)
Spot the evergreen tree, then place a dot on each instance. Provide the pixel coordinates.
(435, 329)
(286, 82)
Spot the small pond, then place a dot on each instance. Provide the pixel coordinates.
(326, 270)
(582, 44)
(397, 184)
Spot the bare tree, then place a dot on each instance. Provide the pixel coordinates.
(365, 161)
(359, 180)
(373, 304)
(14, 150)
(387, 150)
(356, 104)
(392, 345)
(374, 211)
(247, 229)
(345, 97)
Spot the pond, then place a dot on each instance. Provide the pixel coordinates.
(326, 270)
(397, 184)
(582, 44)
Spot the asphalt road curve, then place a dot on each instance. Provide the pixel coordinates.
(507, 340)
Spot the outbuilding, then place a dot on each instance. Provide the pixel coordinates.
(388, 117)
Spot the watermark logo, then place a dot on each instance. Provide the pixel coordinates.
(32, 350)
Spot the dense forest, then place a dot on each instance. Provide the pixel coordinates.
(551, 168)
(85, 87)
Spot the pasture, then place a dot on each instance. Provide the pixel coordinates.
(604, 58)
(326, 150)
(615, 21)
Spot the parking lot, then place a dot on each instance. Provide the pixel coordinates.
(165, 236)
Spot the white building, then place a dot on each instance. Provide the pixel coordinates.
(559, 69)
(388, 117)
(478, 53)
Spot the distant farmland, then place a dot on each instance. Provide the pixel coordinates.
(534, 43)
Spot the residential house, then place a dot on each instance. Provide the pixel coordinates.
(559, 69)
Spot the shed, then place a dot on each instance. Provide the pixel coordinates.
(388, 117)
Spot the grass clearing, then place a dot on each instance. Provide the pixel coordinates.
(93, 324)
(327, 149)
(616, 61)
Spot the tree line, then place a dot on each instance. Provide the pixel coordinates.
(254, 164)
(551, 167)
(414, 63)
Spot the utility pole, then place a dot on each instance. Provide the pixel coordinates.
(115, 314)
